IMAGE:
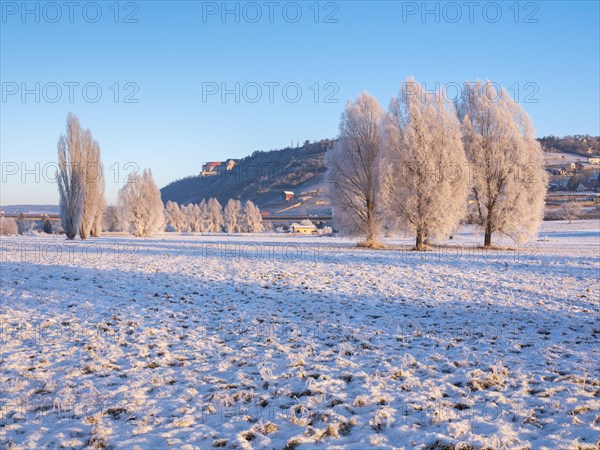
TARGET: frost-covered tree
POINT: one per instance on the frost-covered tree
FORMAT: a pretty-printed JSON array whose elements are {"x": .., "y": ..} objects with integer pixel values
[
  {"x": 111, "y": 219},
  {"x": 354, "y": 168},
  {"x": 23, "y": 224},
  {"x": 93, "y": 203},
  {"x": 252, "y": 218},
  {"x": 174, "y": 216},
  {"x": 71, "y": 176},
  {"x": 182, "y": 218},
  {"x": 183, "y": 221},
  {"x": 8, "y": 227},
  {"x": 204, "y": 216},
  {"x": 46, "y": 224},
  {"x": 141, "y": 205},
  {"x": 508, "y": 176},
  {"x": 186, "y": 219},
  {"x": 80, "y": 179},
  {"x": 570, "y": 211},
  {"x": 195, "y": 216},
  {"x": 426, "y": 178},
  {"x": 231, "y": 215},
  {"x": 97, "y": 224},
  {"x": 215, "y": 216},
  {"x": 89, "y": 176}
]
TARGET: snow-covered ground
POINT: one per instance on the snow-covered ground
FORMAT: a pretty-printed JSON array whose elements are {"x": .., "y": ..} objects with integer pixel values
[
  {"x": 552, "y": 158},
  {"x": 284, "y": 342}
]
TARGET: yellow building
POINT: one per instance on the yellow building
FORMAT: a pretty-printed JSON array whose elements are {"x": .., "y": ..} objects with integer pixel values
[{"x": 304, "y": 228}]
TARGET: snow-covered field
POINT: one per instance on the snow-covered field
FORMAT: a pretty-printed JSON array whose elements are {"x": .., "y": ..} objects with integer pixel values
[
  {"x": 284, "y": 342},
  {"x": 563, "y": 158}
]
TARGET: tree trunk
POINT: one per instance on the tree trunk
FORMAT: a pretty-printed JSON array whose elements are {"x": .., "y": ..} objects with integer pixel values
[
  {"x": 83, "y": 234},
  {"x": 487, "y": 240},
  {"x": 369, "y": 239},
  {"x": 419, "y": 244},
  {"x": 488, "y": 235}
]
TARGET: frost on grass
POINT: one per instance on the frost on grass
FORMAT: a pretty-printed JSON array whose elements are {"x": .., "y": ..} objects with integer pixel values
[{"x": 207, "y": 342}]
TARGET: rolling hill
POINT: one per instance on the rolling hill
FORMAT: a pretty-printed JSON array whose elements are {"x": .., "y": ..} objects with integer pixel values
[{"x": 262, "y": 178}]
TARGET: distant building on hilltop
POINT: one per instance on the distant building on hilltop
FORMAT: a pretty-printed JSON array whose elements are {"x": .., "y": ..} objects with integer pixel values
[
  {"x": 216, "y": 167},
  {"x": 211, "y": 168},
  {"x": 288, "y": 195},
  {"x": 231, "y": 163}
]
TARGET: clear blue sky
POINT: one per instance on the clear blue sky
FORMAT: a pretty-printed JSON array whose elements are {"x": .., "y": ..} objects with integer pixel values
[{"x": 178, "y": 49}]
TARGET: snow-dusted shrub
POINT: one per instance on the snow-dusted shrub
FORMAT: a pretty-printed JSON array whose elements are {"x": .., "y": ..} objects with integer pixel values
[
  {"x": 325, "y": 231},
  {"x": 8, "y": 227}
]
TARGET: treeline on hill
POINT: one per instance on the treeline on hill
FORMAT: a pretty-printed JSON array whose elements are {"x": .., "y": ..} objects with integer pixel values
[
  {"x": 259, "y": 177},
  {"x": 584, "y": 145}
]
